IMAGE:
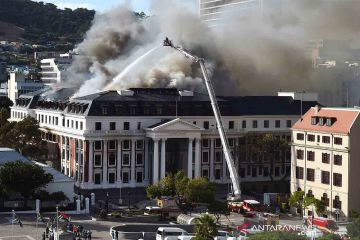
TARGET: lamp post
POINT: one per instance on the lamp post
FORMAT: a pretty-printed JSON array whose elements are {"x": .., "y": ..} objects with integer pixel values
[
  {"x": 107, "y": 202},
  {"x": 57, "y": 222}
]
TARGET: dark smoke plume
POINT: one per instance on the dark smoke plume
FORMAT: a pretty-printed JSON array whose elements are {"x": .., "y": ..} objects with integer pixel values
[{"x": 260, "y": 52}]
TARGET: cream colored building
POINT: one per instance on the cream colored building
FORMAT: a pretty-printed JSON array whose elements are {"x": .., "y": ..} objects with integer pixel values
[{"x": 326, "y": 158}]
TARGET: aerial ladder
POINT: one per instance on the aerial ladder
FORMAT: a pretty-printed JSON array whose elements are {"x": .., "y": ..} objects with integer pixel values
[{"x": 236, "y": 192}]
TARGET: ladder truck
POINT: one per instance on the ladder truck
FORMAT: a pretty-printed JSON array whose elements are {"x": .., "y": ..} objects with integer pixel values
[{"x": 236, "y": 192}]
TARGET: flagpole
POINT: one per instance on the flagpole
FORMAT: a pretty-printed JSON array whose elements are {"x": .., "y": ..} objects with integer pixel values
[
  {"x": 37, "y": 220},
  {"x": 57, "y": 222},
  {"x": 12, "y": 224}
]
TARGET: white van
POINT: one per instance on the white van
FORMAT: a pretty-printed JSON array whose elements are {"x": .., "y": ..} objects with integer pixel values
[
  {"x": 169, "y": 233},
  {"x": 222, "y": 235},
  {"x": 186, "y": 237}
]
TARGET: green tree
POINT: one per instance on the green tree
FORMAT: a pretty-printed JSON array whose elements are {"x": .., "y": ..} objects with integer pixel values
[
  {"x": 200, "y": 190},
  {"x": 330, "y": 236},
  {"x": 218, "y": 208},
  {"x": 205, "y": 228},
  {"x": 4, "y": 115},
  {"x": 23, "y": 136},
  {"x": 296, "y": 200},
  {"x": 58, "y": 196},
  {"x": 24, "y": 178},
  {"x": 302, "y": 202},
  {"x": 354, "y": 228},
  {"x": 153, "y": 191},
  {"x": 277, "y": 236}
]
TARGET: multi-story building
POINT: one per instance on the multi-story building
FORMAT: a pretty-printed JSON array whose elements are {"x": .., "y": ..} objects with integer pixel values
[
  {"x": 17, "y": 85},
  {"x": 54, "y": 70},
  {"x": 132, "y": 138},
  {"x": 325, "y": 157},
  {"x": 213, "y": 12}
]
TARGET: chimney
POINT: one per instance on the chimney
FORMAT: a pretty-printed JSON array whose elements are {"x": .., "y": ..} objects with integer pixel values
[{"x": 317, "y": 109}]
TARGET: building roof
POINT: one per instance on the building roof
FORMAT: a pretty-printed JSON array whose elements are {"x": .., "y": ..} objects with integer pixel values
[
  {"x": 342, "y": 120},
  {"x": 10, "y": 155},
  {"x": 160, "y": 102},
  {"x": 57, "y": 176}
]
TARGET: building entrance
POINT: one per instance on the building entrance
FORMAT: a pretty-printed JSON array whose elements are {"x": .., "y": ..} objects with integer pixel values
[{"x": 176, "y": 155}]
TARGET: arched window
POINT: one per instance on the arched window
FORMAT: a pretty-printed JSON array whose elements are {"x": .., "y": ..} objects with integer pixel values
[
  {"x": 325, "y": 199},
  {"x": 298, "y": 189},
  {"x": 337, "y": 202},
  {"x": 310, "y": 193}
]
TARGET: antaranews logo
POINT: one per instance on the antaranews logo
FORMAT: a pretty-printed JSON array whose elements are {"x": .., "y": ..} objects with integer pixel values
[{"x": 301, "y": 229}]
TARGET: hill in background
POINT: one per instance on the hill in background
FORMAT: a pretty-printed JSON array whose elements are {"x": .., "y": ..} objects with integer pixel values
[{"x": 44, "y": 22}]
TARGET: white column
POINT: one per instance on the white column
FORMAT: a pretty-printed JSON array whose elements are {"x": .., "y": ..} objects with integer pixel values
[
  {"x": 118, "y": 162},
  {"x": 146, "y": 161},
  {"x": 83, "y": 161},
  {"x": 78, "y": 157},
  {"x": 197, "y": 158},
  {"x": 190, "y": 156},
  {"x": 156, "y": 161},
  {"x": 163, "y": 158},
  {"x": 66, "y": 156},
  {"x": 105, "y": 163},
  {"x": 212, "y": 145},
  {"x": 133, "y": 162},
  {"x": 91, "y": 161}
]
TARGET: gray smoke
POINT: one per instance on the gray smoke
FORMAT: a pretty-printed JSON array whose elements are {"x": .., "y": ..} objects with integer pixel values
[{"x": 260, "y": 52}]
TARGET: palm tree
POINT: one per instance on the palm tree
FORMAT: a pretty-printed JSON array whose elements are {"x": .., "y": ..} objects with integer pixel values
[{"x": 205, "y": 228}]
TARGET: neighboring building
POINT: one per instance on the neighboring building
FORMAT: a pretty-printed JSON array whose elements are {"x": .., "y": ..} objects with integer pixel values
[
  {"x": 3, "y": 73},
  {"x": 132, "y": 138},
  {"x": 214, "y": 12},
  {"x": 54, "y": 70},
  {"x": 325, "y": 157},
  {"x": 60, "y": 182},
  {"x": 17, "y": 85}
]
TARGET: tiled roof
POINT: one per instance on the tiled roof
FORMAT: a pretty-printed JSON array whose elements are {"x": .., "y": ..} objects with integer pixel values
[{"x": 343, "y": 120}]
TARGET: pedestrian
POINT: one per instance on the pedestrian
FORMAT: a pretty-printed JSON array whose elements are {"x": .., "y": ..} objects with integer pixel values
[
  {"x": 112, "y": 234},
  {"x": 43, "y": 236},
  {"x": 89, "y": 235},
  {"x": 117, "y": 235}
]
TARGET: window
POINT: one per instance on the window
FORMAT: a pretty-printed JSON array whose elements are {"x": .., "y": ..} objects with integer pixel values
[
  {"x": 104, "y": 110},
  {"x": 318, "y": 138},
  {"x": 266, "y": 123},
  {"x": 76, "y": 124},
  {"x": 112, "y": 126},
  {"x": 97, "y": 160},
  {"x": 300, "y": 154},
  {"x": 112, "y": 158},
  {"x": 299, "y": 136},
  {"x": 126, "y": 126},
  {"x": 266, "y": 171},
  {"x": 288, "y": 123},
  {"x": 325, "y": 139},
  {"x": 311, "y": 156},
  {"x": 205, "y": 143},
  {"x": 112, "y": 145},
  {"x": 254, "y": 124},
  {"x": 337, "y": 202},
  {"x": 253, "y": 172},
  {"x": 218, "y": 143},
  {"x": 277, "y": 123},
  {"x": 218, "y": 173},
  {"x": 194, "y": 122},
  {"x": 337, "y": 140},
  {"x": 337, "y": 179},
  {"x": 139, "y": 177},
  {"x": 321, "y": 121},
  {"x": 68, "y": 123},
  {"x": 325, "y": 177},
  {"x": 243, "y": 124},
  {"x": 338, "y": 160},
  {"x": 277, "y": 171},
  {"x": 311, "y": 138},
  {"x": 138, "y": 125},
  {"x": 231, "y": 124},
  {"x": 98, "y": 145},
  {"x": 111, "y": 177},
  {"x": 98, "y": 126},
  {"x": 139, "y": 145},
  {"x": 218, "y": 156},
  {"x": 325, "y": 157},
  {"x": 206, "y": 125},
  {"x": 126, "y": 145},
  {"x": 231, "y": 142},
  {"x": 126, "y": 159},
  {"x": 139, "y": 158},
  {"x": 97, "y": 178},
  {"x": 205, "y": 173},
  {"x": 329, "y": 122},
  {"x": 310, "y": 193},
  {"x": 310, "y": 174},
  {"x": 125, "y": 177},
  {"x": 205, "y": 157},
  {"x": 325, "y": 199},
  {"x": 314, "y": 120},
  {"x": 81, "y": 125}
]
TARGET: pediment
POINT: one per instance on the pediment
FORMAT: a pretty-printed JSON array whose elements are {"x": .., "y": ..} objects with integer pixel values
[{"x": 175, "y": 125}]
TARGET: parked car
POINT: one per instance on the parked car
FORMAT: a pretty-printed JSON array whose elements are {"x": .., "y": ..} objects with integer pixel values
[{"x": 169, "y": 233}]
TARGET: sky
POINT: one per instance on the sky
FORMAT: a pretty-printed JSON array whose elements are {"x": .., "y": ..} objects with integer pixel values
[{"x": 103, "y": 5}]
